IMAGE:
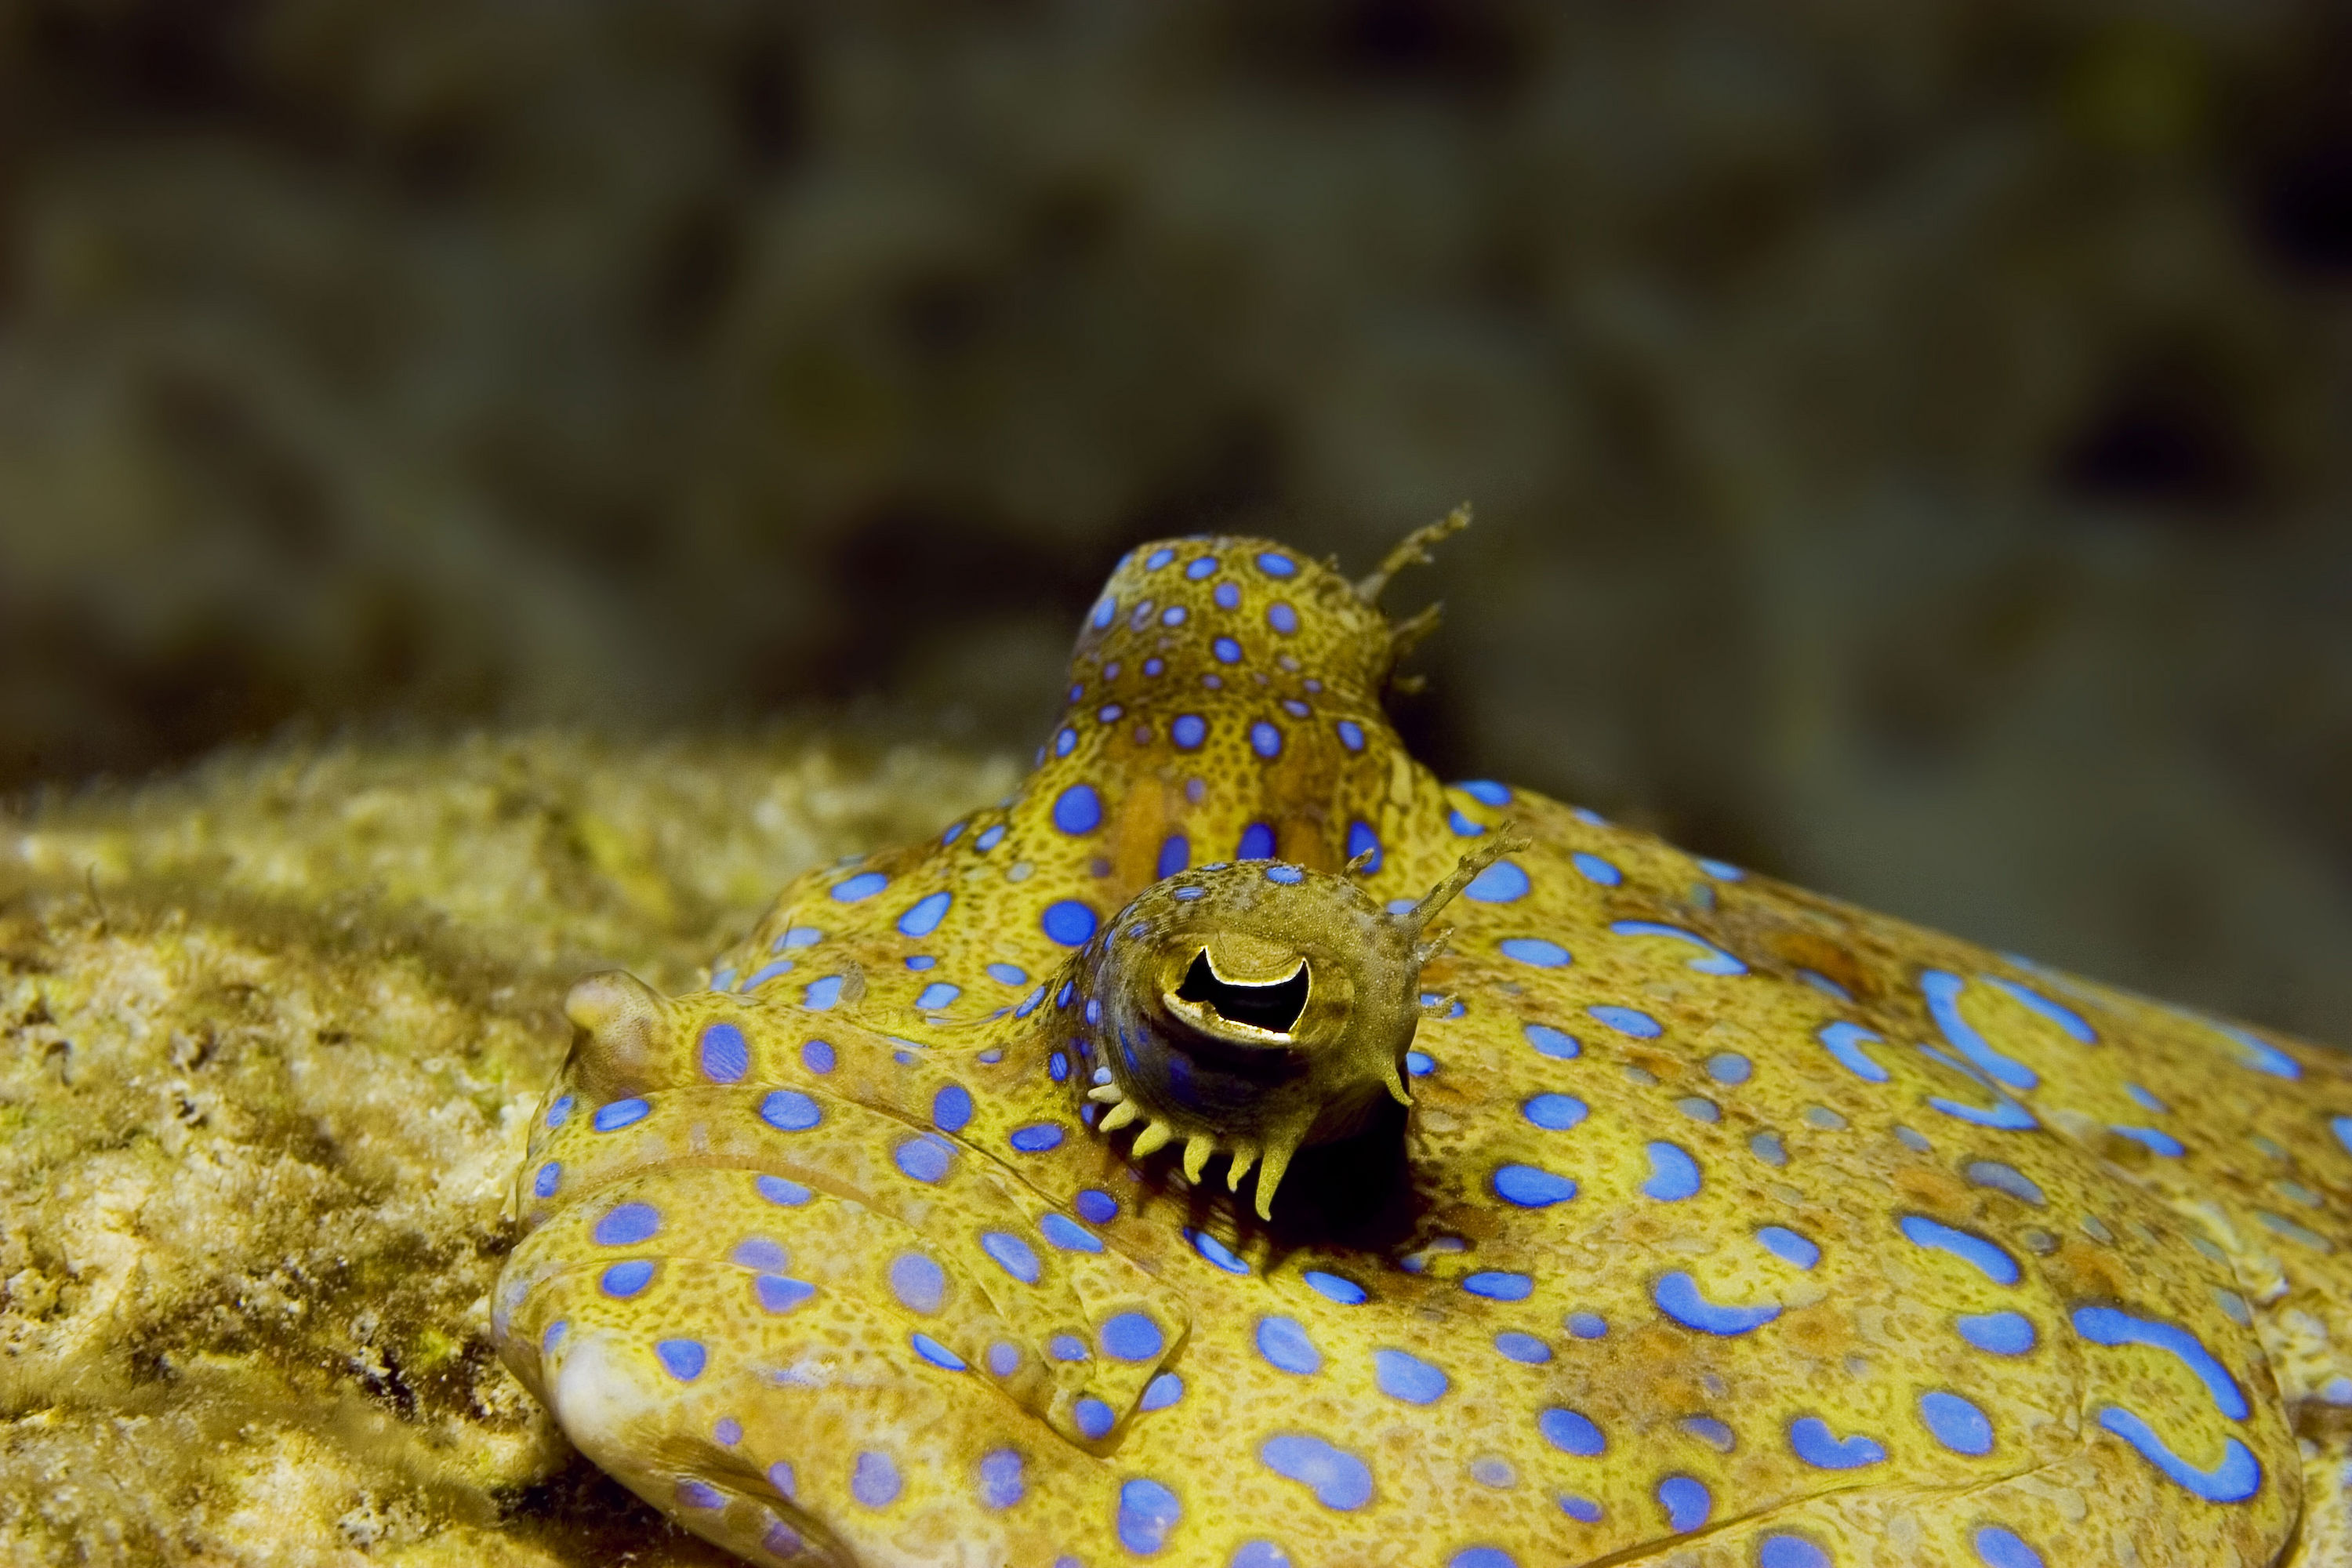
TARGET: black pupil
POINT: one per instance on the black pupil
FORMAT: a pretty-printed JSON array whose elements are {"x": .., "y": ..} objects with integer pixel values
[{"x": 1275, "y": 1007}]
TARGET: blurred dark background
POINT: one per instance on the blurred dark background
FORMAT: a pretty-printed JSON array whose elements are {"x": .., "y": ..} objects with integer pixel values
[{"x": 1909, "y": 441}]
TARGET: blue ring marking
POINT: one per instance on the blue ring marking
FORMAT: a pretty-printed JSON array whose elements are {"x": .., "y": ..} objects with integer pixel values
[
  {"x": 789, "y": 1110},
  {"x": 1217, "y": 1252},
  {"x": 1284, "y": 1344},
  {"x": 626, "y": 1278},
  {"x": 1362, "y": 840},
  {"x": 1227, "y": 650},
  {"x": 1096, "y": 1208},
  {"x": 1337, "y": 1479},
  {"x": 1688, "y": 1503},
  {"x": 1712, "y": 959},
  {"x": 1265, "y": 739},
  {"x": 1035, "y": 1137},
  {"x": 1131, "y": 1336},
  {"x": 1001, "y": 1485},
  {"x": 1334, "y": 1287},
  {"x": 776, "y": 1294},
  {"x": 937, "y": 1355},
  {"x": 1290, "y": 876},
  {"x": 1161, "y": 1392},
  {"x": 620, "y": 1113},
  {"x": 682, "y": 1359},
  {"x": 1552, "y": 1042},
  {"x": 1462, "y": 826},
  {"x": 1502, "y": 882},
  {"x": 1572, "y": 1432},
  {"x": 1522, "y": 1347},
  {"x": 1554, "y": 1112},
  {"x": 2238, "y": 1477},
  {"x": 924, "y": 1157},
  {"x": 1812, "y": 1440},
  {"x": 2107, "y": 1326},
  {"x": 1175, "y": 855},
  {"x": 1404, "y": 1375},
  {"x": 1788, "y": 1246},
  {"x": 1942, "y": 989},
  {"x": 1499, "y": 1285},
  {"x": 1069, "y": 923},
  {"x": 1147, "y": 1512},
  {"x": 764, "y": 973},
  {"x": 919, "y": 1283},
  {"x": 1200, "y": 567},
  {"x": 2064, "y": 1016},
  {"x": 990, "y": 837},
  {"x": 1791, "y": 1552},
  {"x": 1965, "y": 1244},
  {"x": 1534, "y": 949},
  {"x": 923, "y": 916},
  {"x": 864, "y": 885},
  {"x": 1228, "y": 596},
  {"x": 874, "y": 1480},
  {"x": 1532, "y": 1187},
  {"x": 952, "y": 1109},
  {"x": 1065, "y": 741},
  {"x": 1629, "y": 1021},
  {"x": 1351, "y": 735},
  {"x": 1582, "y": 1509},
  {"x": 936, "y": 996},
  {"x": 1482, "y": 1557},
  {"x": 1997, "y": 1334},
  {"x": 1486, "y": 792},
  {"x": 1587, "y": 1325},
  {"x": 550, "y": 1177},
  {"x": 822, "y": 993},
  {"x": 1282, "y": 617},
  {"x": 1009, "y": 974},
  {"x": 561, "y": 1113},
  {"x": 1673, "y": 1175},
  {"x": 1677, "y": 1296},
  {"x": 2001, "y": 1177},
  {"x": 1956, "y": 1423},
  {"x": 781, "y": 1190},
  {"x": 1274, "y": 566},
  {"x": 2153, "y": 1139},
  {"x": 1257, "y": 843},
  {"x": 1094, "y": 1420},
  {"x": 1997, "y": 1547},
  {"x": 1077, "y": 810},
  {"x": 626, "y": 1225},
  {"x": 1595, "y": 869},
  {"x": 1843, "y": 1042},
  {"x": 1730, "y": 1067}
]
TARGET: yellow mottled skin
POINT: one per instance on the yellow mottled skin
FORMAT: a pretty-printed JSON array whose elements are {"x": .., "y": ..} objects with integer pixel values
[{"x": 1729, "y": 1224}]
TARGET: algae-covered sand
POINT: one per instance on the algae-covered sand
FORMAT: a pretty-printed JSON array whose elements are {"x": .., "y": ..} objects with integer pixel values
[{"x": 273, "y": 1031}]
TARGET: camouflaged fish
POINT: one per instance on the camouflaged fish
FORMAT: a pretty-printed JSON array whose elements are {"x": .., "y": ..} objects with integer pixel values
[{"x": 1238, "y": 1149}]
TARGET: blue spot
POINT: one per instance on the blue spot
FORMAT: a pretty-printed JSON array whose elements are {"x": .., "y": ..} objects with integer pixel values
[
  {"x": 1997, "y": 1334},
  {"x": 2106, "y": 1326},
  {"x": 1572, "y": 1432},
  {"x": 1173, "y": 616},
  {"x": 682, "y": 1359},
  {"x": 561, "y": 1113},
  {"x": 1728, "y": 1067},
  {"x": 1523, "y": 1347},
  {"x": 1069, "y": 923},
  {"x": 1104, "y": 612},
  {"x": 1487, "y": 792},
  {"x": 625, "y": 1280},
  {"x": 758, "y": 1252},
  {"x": 1003, "y": 1359},
  {"x": 1076, "y": 809},
  {"x": 1131, "y": 1336},
  {"x": 822, "y": 993},
  {"x": 1282, "y": 617},
  {"x": 1810, "y": 1436},
  {"x": 1187, "y": 895},
  {"x": 1482, "y": 1557},
  {"x": 1498, "y": 1285},
  {"x": 864, "y": 885},
  {"x": 1227, "y": 650},
  {"x": 2261, "y": 1056},
  {"x": 2237, "y": 1477},
  {"x": 1161, "y": 1392},
  {"x": 2065, "y": 1017},
  {"x": 1351, "y": 735},
  {"x": 990, "y": 837},
  {"x": 1200, "y": 568},
  {"x": 1147, "y": 1512},
  {"x": 1532, "y": 1188},
  {"x": 1157, "y": 558},
  {"x": 1402, "y": 1375},
  {"x": 816, "y": 1055},
  {"x": 1067, "y": 1235},
  {"x": 799, "y": 936},
  {"x": 1788, "y": 1245},
  {"x": 920, "y": 960},
  {"x": 1259, "y": 1554},
  {"x": 1285, "y": 1345},
  {"x": 919, "y": 1283},
  {"x": 780, "y": 1191},
  {"x": 1274, "y": 566},
  {"x": 1554, "y": 1112},
  {"x": 1712, "y": 959},
  {"x": 1721, "y": 870},
  {"x": 1257, "y": 843},
  {"x": 952, "y": 1109},
  {"x": 764, "y": 973},
  {"x": 1999, "y": 1548},
  {"x": 2163, "y": 1143},
  {"x": 723, "y": 979},
  {"x": 1001, "y": 1485},
  {"x": 923, "y": 916},
  {"x": 1420, "y": 1064},
  {"x": 1013, "y": 1255},
  {"x": 1336, "y": 1287},
  {"x": 937, "y": 994},
  {"x": 1673, "y": 1175},
  {"x": 789, "y": 1110},
  {"x": 725, "y": 1057},
  {"x": 1337, "y": 1479},
  {"x": 1227, "y": 595},
  {"x": 1036, "y": 1138},
  {"x": 1956, "y": 1423},
  {"x": 926, "y": 1158},
  {"x": 1175, "y": 855},
  {"x": 1065, "y": 741},
  {"x": 1997, "y": 1266},
  {"x": 1552, "y": 1042},
  {"x": 1677, "y": 1295},
  {"x": 1791, "y": 1552},
  {"x": 1096, "y": 1208},
  {"x": 2146, "y": 1101},
  {"x": 1942, "y": 991},
  {"x": 1502, "y": 882},
  {"x": 1290, "y": 874},
  {"x": 1629, "y": 1021},
  {"x": 1094, "y": 1418},
  {"x": 874, "y": 1480},
  {"x": 1265, "y": 739},
  {"x": 1008, "y": 975},
  {"x": 1582, "y": 1509},
  {"x": 2005, "y": 1115},
  {"x": 1362, "y": 840},
  {"x": 937, "y": 1355},
  {"x": 620, "y": 1113},
  {"x": 1533, "y": 950},
  {"x": 1462, "y": 826},
  {"x": 550, "y": 1177},
  {"x": 628, "y": 1225},
  {"x": 1596, "y": 869},
  {"x": 1843, "y": 1042}
]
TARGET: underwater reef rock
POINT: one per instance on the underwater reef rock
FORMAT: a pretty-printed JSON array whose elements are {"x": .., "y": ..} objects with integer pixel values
[{"x": 273, "y": 1029}]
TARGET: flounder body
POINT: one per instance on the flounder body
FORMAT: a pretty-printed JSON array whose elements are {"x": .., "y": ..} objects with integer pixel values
[{"x": 1042, "y": 1194}]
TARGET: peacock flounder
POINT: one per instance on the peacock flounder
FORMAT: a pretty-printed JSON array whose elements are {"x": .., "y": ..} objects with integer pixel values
[{"x": 1141, "y": 1171}]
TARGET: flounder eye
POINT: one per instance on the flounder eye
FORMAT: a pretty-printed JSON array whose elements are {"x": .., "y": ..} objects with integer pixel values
[{"x": 1272, "y": 1006}]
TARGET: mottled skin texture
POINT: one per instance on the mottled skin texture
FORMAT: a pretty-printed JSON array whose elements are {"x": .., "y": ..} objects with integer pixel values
[{"x": 1879, "y": 1248}]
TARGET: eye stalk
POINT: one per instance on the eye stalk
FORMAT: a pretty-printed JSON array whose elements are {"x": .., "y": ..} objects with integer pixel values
[{"x": 1252, "y": 1010}]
